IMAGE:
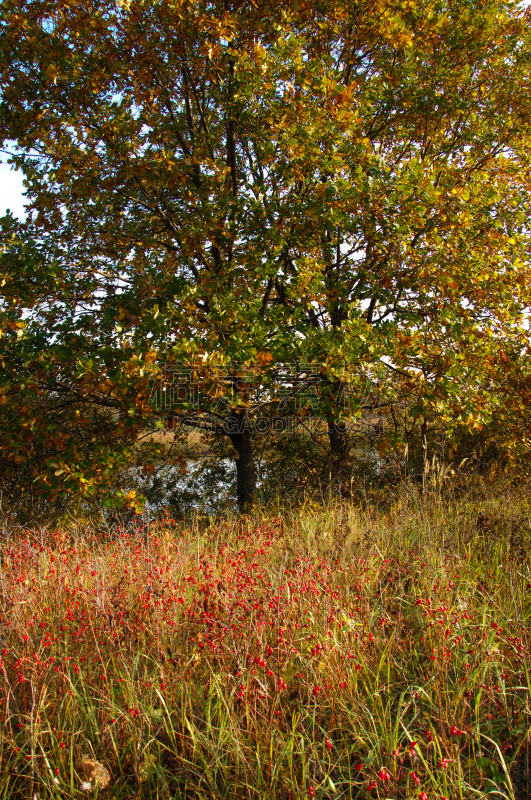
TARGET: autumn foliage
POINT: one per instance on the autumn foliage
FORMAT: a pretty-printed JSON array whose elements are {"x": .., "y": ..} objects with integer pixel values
[{"x": 334, "y": 182}]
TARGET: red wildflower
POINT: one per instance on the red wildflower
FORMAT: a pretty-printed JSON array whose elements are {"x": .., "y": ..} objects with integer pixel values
[{"x": 454, "y": 731}]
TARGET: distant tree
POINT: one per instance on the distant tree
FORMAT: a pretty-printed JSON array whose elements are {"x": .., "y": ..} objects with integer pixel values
[{"x": 336, "y": 182}]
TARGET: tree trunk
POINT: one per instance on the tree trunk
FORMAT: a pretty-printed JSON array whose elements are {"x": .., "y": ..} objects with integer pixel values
[
  {"x": 339, "y": 445},
  {"x": 240, "y": 436},
  {"x": 425, "y": 463},
  {"x": 337, "y": 431}
]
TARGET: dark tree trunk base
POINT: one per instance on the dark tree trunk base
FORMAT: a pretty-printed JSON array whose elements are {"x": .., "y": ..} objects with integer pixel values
[
  {"x": 339, "y": 446},
  {"x": 242, "y": 442}
]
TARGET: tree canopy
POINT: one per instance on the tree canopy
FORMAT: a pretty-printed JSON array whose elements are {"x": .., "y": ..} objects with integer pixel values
[{"x": 336, "y": 182}]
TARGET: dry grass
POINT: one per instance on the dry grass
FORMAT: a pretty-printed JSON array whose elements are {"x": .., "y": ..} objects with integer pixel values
[{"x": 332, "y": 654}]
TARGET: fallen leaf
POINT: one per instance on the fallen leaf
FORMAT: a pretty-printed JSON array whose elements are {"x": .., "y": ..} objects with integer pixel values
[{"x": 94, "y": 771}]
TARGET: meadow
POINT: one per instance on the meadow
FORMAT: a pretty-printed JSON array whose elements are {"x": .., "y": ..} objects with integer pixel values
[{"x": 336, "y": 652}]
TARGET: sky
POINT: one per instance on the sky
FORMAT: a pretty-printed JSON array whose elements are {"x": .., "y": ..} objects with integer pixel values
[{"x": 11, "y": 190}]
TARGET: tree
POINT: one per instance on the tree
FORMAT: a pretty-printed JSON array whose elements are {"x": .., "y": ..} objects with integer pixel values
[{"x": 337, "y": 182}]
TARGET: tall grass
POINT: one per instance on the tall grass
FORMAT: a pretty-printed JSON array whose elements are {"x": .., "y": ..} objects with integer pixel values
[{"x": 335, "y": 653}]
